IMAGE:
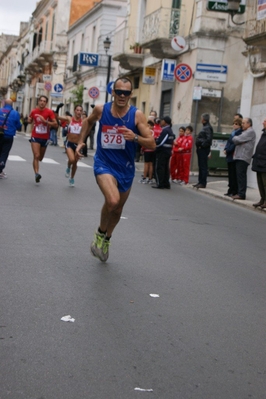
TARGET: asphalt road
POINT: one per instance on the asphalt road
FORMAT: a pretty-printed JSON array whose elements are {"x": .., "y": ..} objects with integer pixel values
[{"x": 203, "y": 337}]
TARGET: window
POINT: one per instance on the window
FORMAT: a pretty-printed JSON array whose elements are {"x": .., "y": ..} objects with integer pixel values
[
  {"x": 166, "y": 103},
  {"x": 176, "y": 3},
  {"x": 136, "y": 82},
  {"x": 53, "y": 23}
]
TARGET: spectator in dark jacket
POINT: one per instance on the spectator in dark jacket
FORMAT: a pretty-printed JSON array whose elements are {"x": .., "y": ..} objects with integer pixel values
[
  {"x": 164, "y": 144},
  {"x": 203, "y": 144},
  {"x": 229, "y": 150},
  {"x": 259, "y": 166},
  {"x": 10, "y": 123}
]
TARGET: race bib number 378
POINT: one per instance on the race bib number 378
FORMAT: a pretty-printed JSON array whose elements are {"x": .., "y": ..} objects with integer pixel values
[{"x": 112, "y": 139}]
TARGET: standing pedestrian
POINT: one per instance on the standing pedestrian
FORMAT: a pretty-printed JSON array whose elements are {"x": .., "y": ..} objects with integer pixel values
[
  {"x": 148, "y": 160},
  {"x": 25, "y": 123},
  {"x": 203, "y": 144},
  {"x": 229, "y": 150},
  {"x": 244, "y": 143},
  {"x": 121, "y": 126},
  {"x": 186, "y": 154},
  {"x": 259, "y": 166},
  {"x": 164, "y": 145},
  {"x": 176, "y": 164},
  {"x": 9, "y": 124},
  {"x": 43, "y": 119}
]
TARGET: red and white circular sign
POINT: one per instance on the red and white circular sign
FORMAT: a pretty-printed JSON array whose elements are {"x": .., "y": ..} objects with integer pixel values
[
  {"x": 183, "y": 72},
  {"x": 94, "y": 92},
  {"x": 178, "y": 43},
  {"x": 48, "y": 86}
]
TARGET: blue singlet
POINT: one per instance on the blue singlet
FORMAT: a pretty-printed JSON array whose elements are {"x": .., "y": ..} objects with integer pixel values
[{"x": 115, "y": 155}]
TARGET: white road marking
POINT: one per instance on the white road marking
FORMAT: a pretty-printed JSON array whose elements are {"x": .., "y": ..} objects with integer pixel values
[
  {"x": 83, "y": 165},
  {"x": 15, "y": 158},
  {"x": 50, "y": 160},
  {"x": 46, "y": 160}
]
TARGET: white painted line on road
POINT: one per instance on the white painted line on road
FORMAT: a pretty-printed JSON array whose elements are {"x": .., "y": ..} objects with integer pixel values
[
  {"x": 143, "y": 390},
  {"x": 49, "y": 160},
  {"x": 155, "y": 295},
  {"x": 83, "y": 165},
  {"x": 16, "y": 158},
  {"x": 68, "y": 318}
]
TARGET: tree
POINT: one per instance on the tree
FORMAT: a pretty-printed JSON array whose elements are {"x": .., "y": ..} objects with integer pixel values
[{"x": 78, "y": 95}]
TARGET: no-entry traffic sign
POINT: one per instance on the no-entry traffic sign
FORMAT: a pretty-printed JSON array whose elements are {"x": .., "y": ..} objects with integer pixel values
[
  {"x": 183, "y": 72},
  {"x": 94, "y": 92}
]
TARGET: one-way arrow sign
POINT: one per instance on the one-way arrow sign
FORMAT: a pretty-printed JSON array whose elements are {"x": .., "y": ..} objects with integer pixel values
[
  {"x": 212, "y": 72},
  {"x": 211, "y": 68}
]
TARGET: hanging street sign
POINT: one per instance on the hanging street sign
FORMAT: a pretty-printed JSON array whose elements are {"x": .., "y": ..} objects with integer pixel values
[
  {"x": 197, "y": 93},
  {"x": 110, "y": 87},
  {"x": 58, "y": 88},
  {"x": 178, "y": 43},
  {"x": 211, "y": 93},
  {"x": 94, "y": 92},
  {"x": 48, "y": 86},
  {"x": 168, "y": 69},
  {"x": 222, "y": 6},
  {"x": 149, "y": 75},
  {"x": 46, "y": 78},
  {"x": 214, "y": 72},
  {"x": 88, "y": 59},
  {"x": 183, "y": 72}
]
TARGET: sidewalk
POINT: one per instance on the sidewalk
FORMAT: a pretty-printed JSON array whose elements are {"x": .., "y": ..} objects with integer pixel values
[
  {"x": 218, "y": 188},
  {"x": 215, "y": 189}
]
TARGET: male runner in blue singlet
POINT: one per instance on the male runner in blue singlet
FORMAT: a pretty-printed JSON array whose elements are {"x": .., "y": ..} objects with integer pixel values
[{"x": 121, "y": 126}]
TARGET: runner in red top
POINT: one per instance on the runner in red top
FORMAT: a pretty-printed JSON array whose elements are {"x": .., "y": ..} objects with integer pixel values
[{"x": 43, "y": 119}]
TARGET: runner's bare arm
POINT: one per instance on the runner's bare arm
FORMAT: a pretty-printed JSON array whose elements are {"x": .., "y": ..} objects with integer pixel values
[
  {"x": 51, "y": 123},
  {"x": 145, "y": 139},
  {"x": 64, "y": 118}
]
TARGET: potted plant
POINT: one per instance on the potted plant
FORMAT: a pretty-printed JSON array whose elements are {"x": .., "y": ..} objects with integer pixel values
[{"x": 136, "y": 47}]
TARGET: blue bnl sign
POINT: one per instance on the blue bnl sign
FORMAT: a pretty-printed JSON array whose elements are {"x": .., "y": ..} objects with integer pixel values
[
  {"x": 88, "y": 59},
  {"x": 168, "y": 68}
]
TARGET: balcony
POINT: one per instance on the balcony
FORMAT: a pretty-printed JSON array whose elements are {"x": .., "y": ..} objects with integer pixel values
[
  {"x": 158, "y": 30},
  {"x": 39, "y": 57},
  {"x": 125, "y": 52},
  {"x": 255, "y": 32}
]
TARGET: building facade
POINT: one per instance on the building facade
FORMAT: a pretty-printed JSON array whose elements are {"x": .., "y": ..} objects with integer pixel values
[
  {"x": 253, "y": 99},
  {"x": 86, "y": 42}
]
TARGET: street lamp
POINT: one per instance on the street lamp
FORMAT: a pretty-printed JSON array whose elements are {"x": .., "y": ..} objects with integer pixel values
[
  {"x": 55, "y": 66},
  {"x": 107, "y": 44},
  {"x": 233, "y": 6}
]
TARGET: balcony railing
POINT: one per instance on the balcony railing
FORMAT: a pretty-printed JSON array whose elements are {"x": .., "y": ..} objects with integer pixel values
[
  {"x": 125, "y": 38},
  {"x": 162, "y": 23},
  {"x": 254, "y": 28},
  {"x": 45, "y": 47}
]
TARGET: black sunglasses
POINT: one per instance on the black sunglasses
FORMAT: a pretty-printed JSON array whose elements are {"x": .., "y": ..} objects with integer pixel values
[{"x": 120, "y": 92}]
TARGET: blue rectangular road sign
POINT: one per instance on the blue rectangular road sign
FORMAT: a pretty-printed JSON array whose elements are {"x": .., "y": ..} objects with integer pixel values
[
  {"x": 213, "y": 72},
  {"x": 214, "y": 68},
  {"x": 89, "y": 59},
  {"x": 168, "y": 69}
]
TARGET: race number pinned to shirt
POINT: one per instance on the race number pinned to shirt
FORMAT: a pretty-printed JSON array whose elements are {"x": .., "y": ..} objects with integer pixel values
[
  {"x": 75, "y": 128},
  {"x": 41, "y": 129},
  {"x": 113, "y": 138}
]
